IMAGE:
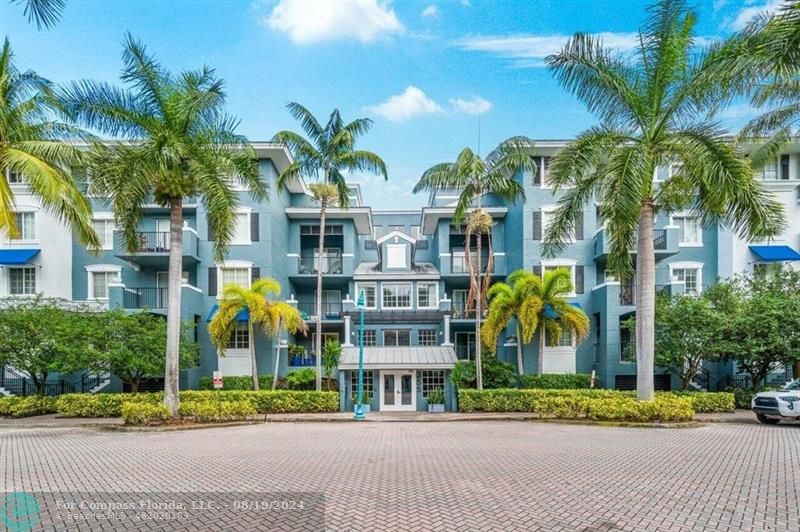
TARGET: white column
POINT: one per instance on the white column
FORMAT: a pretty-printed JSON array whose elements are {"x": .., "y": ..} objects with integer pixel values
[
  {"x": 347, "y": 342},
  {"x": 446, "y": 339}
]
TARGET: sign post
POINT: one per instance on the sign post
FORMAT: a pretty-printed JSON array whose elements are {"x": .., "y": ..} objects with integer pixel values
[
  {"x": 217, "y": 380},
  {"x": 359, "y": 415}
]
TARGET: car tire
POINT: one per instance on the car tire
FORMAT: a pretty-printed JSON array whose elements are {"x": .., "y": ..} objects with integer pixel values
[{"x": 767, "y": 420}]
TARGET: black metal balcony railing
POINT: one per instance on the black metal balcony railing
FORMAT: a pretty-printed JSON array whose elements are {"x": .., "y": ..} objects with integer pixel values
[
  {"x": 331, "y": 263},
  {"x": 145, "y": 298},
  {"x": 627, "y": 294},
  {"x": 154, "y": 242},
  {"x": 330, "y": 310},
  {"x": 660, "y": 239}
]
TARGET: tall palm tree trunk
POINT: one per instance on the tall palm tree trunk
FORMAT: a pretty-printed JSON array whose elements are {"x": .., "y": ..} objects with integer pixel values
[
  {"x": 253, "y": 366},
  {"x": 174, "y": 281},
  {"x": 645, "y": 304},
  {"x": 323, "y": 204},
  {"x": 520, "y": 366},
  {"x": 478, "y": 366},
  {"x": 277, "y": 359},
  {"x": 540, "y": 354}
]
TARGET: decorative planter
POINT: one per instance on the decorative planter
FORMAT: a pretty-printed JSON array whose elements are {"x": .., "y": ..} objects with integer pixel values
[
  {"x": 436, "y": 409},
  {"x": 295, "y": 361}
]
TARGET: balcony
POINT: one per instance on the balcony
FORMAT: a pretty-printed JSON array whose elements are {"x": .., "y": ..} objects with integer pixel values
[
  {"x": 154, "y": 246},
  {"x": 331, "y": 310},
  {"x": 335, "y": 264},
  {"x": 145, "y": 297},
  {"x": 155, "y": 300},
  {"x": 331, "y": 264},
  {"x": 150, "y": 204},
  {"x": 665, "y": 242},
  {"x": 458, "y": 264}
]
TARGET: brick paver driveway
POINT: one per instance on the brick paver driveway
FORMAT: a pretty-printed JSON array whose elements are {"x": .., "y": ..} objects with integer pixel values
[{"x": 444, "y": 476}]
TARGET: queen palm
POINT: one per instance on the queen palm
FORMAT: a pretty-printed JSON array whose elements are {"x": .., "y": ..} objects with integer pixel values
[
  {"x": 325, "y": 155},
  {"x": 43, "y": 13},
  {"x": 473, "y": 177},
  {"x": 534, "y": 304},
  {"x": 654, "y": 110},
  {"x": 32, "y": 144},
  {"x": 270, "y": 317},
  {"x": 177, "y": 142}
]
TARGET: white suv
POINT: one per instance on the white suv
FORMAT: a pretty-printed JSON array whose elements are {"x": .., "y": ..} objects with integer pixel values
[{"x": 771, "y": 407}]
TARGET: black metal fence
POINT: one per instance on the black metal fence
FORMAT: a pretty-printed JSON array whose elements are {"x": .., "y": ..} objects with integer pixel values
[{"x": 145, "y": 297}]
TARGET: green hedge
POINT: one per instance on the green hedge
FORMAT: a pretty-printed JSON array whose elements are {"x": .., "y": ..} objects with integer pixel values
[
  {"x": 556, "y": 381},
  {"x": 143, "y": 413},
  {"x": 206, "y": 411},
  {"x": 710, "y": 401},
  {"x": 602, "y": 405},
  {"x": 239, "y": 382},
  {"x": 264, "y": 402},
  {"x": 27, "y": 406}
]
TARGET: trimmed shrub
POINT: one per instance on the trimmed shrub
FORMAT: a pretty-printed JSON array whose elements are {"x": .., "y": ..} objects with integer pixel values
[
  {"x": 101, "y": 404},
  {"x": 556, "y": 381},
  {"x": 302, "y": 379},
  {"x": 27, "y": 406},
  {"x": 496, "y": 374},
  {"x": 237, "y": 382},
  {"x": 602, "y": 405},
  {"x": 206, "y": 411},
  {"x": 711, "y": 401},
  {"x": 286, "y": 401},
  {"x": 143, "y": 413}
]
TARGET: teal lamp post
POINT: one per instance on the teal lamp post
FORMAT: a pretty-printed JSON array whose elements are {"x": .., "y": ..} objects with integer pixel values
[{"x": 359, "y": 415}]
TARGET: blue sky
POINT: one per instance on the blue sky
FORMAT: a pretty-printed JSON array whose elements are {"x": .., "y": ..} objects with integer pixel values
[{"x": 426, "y": 72}]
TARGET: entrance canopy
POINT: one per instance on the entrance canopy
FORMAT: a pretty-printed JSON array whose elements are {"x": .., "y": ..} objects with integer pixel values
[
  {"x": 407, "y": 357},
  {"x": 775, "y": 253}
]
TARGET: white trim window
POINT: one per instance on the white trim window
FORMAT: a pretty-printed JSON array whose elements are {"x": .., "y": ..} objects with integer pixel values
[
  {"x": 396, "y": 296},
  {"x": 239, "y": 276},
  {"x": 104, "y": 227},
  {"x": 240, "y": 339},
  {"x": 427, "y": 295},
  {"x": 22, "y": 281},
  {"x": 548, "y": 214},
  {"x": 769, "y": 172},
  {"x": 427, "y": 337},
  {"x": 14, "y": 178},
  {"x": 565, "y": 341},
  {"x": 396, "y": 337},
  {"x": 689, "y": 228},
  {"x": 550, "y": 265},
  {"x": 26, "y": 225},
  {"x": 100, "y": 276},
  {"x": 370, "y": 294},
  {"x": 241, "y": 231},
  {"x": 690, "y": 274}
]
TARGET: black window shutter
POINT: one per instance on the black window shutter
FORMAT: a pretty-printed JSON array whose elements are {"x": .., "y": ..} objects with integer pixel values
[
  {"x": 537, "y": 175},
  {"x": 255, "y": 274},
  {"x": 579, "y": 226},
  {"x": 537, "y": 271},
  {"x": 537, "y": 225},
  {"x": 578, "y": 279},
  {"x": 210, "y": 231},
  {"x": 254, "y": 227},
  {"x": 212, "y": 281}
]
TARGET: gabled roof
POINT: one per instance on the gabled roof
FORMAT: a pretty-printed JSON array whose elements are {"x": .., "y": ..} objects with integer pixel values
[
  {"x": 432, "y": 215},
  {"x": 399, "y": 234}
]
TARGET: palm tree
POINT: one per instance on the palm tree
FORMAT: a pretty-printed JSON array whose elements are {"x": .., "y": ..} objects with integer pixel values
[
  {"x": 44, "y": 13},
  {"x": 533, "y": 303},
  {"x": 271, "y": 317},
  {"x": 325, "y": 154},
  {"x": 175, "y": 140},
  {"x": 654, "y": 111},
  {"x": 33, "y": 144},
  {"x": 474, "y": 177}
]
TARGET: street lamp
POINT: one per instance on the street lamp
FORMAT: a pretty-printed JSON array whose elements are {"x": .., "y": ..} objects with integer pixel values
[{"x": 359, "y": 415}]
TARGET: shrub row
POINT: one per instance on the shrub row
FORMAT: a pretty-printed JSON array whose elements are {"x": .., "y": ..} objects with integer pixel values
[
  {"x": 264, "y": 402},
  {"x": 556, "y": 381},
  {"x": 27, "y": 406},
  {"x": 607, "y": 405},
  {"x": 238, "y": 382},
  {"x": 142, "y": 413},
  {"x": 710, "y": 401},
  {"x": 207, "y": 411}
]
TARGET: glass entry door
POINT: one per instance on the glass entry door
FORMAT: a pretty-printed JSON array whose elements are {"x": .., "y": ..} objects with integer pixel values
[{"x": 398, "y": 391}]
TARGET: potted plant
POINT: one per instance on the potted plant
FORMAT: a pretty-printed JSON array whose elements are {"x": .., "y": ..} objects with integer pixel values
[
  {"x": 296, "y": 354},
  {"x": 367, "y": 401},
  {"x": 436, "y": 400}
]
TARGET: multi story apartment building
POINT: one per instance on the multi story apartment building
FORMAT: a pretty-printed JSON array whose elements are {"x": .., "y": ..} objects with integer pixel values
[{"x": 410, "y": 265}]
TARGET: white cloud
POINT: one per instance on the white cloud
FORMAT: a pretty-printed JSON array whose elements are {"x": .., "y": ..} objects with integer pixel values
[
  {"x": 466, "y": 3},
  {"x": 313, "y": 21},
  {"x": 748, "y": 13},
  {"x": 411, "y": 103},
  {"x": 474, "y": 106},
  {"x": 716, "y": 5},
  {"x": 526, "y": 50},
  {"x": 431, "y": 11}
]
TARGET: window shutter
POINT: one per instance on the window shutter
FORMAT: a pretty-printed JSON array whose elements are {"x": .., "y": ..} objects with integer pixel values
[
  {"x": 255, "y": 274},
  {"x": 578, "y": 279},
  {"x": 537, "y": 225},
  {"x": 212, "y": 281},
  {"x": 579, "y": 226},
  {"x": 254, "y": 227},
  {"x": 537, "y": 271},
  {"x": 537, "y": 175},
  {"x": 210, "y": 231}
]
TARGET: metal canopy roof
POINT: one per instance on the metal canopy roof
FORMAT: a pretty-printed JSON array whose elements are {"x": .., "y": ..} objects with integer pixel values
[{"x": 407, "y": 357}]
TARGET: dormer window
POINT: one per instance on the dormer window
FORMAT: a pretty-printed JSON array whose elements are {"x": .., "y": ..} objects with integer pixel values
[{"x": 396, "y": 256}]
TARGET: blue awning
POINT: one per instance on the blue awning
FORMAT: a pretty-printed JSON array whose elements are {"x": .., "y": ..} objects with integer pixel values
[
  {"x": 775, "y": 253},
  {"x": 17, "y": 256},
  {"x": 244, "y": 314},
  {"x": 552, "y": 314}
]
